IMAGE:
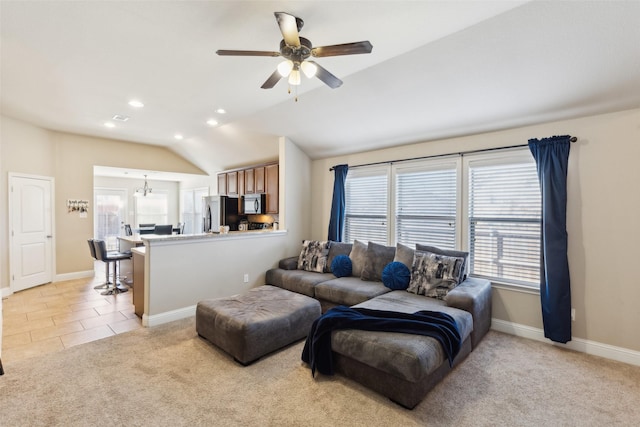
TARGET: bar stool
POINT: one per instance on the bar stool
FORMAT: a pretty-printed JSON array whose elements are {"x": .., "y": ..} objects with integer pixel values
[
  {"x": 114, "y": 257},
  {"x": 92, "y": 250}
]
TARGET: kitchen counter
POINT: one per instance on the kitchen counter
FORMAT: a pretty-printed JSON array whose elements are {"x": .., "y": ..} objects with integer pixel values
[{"x": 152, "y": 238}]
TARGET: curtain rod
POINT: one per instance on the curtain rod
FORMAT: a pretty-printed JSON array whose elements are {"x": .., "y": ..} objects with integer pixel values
[{"x": 460, "y": 153}]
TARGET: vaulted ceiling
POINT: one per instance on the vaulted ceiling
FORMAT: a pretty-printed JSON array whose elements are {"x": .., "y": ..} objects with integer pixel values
[{"x": 438, "y": 69}]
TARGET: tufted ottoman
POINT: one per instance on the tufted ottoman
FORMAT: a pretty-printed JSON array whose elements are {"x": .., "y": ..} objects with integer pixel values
[{"x": 250, "y": 325}]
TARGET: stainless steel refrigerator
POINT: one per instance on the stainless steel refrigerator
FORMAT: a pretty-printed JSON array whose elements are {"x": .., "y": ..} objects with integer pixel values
[{"x": 220, "y": 210}]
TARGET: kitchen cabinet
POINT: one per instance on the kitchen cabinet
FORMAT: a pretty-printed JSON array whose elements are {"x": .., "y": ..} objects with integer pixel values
[
  {"x": 222, "y": 184},
  {"x": 249, "y": 181},
  {"x": 241, "y": 183},
  {"x": 138, "y": 282},
  {"x": 271, "y": 188},
  {"x": 259, "y": 179},
  {"x": 232, "y": 183}
]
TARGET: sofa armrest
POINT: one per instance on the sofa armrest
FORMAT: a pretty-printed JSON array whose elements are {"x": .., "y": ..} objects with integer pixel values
[
  {"x": 473, "y": 295},
  {"x": 289, "y": 263}
]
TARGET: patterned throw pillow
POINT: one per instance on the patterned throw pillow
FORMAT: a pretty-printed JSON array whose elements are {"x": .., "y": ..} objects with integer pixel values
[
  {"x": 434, "y": 275},
  {"x": 313, "y": 256}
]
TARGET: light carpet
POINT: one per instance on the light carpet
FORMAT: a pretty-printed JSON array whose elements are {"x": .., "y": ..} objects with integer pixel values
[{"x": 168, "y": 376}]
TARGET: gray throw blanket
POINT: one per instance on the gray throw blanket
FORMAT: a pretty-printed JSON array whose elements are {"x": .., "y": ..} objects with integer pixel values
[{"x": 435, "y": 324}]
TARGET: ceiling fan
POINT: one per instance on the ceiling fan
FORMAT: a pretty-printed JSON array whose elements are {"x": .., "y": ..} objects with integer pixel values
[{"x": 296, "y": 50}]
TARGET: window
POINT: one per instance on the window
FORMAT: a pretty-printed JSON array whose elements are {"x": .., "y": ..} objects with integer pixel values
[
  {"x": 191, "y": 209},
  {"x": 367, "y": 205},
  {"x": 152, "y": 208},
  {"x": 486, "y": 203},
  {"x": 109, "y": 215},
  {"x": 426, "y": 204},
  {"x": 504, "y": 219}
]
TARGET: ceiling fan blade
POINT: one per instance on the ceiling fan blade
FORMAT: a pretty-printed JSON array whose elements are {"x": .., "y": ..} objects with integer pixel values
[
  {"x": 289, "y": 28},
  {"x": 223, "y": 52},
  {"x": 272, "y": 80},
  {"x": 343, "y": 49},
  {"x": 326, "y": 77}
]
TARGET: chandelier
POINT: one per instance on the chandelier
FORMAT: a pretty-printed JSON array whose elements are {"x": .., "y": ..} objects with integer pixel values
[{"x": 144, "y": 190}]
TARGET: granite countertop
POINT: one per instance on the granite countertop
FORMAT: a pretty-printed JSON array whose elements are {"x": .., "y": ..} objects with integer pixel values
[{"x": 232, "y": 234}]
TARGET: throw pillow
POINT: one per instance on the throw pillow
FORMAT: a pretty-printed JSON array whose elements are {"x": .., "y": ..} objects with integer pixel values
[
  {"x": 448, "y": 252},
  {"x": 396, "y": 276},
  {"x": 434, "y": 275},
  {"x": 313, "y": 256},
  {"x": 335, "y": 249},
  {"x": 377, "y": 257},
  {"x": 341, "y": 266},
  {"x": 358, "y": 256},
  {"x": 404, "y": 254}
]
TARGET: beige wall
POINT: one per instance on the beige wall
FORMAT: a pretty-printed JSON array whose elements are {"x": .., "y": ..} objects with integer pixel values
[
  {"x": 69, "y": 159},
  {"x": 602, "y": 216}
]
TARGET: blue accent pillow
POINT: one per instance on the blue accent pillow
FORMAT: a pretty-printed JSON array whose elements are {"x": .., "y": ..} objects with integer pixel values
[
  {"x": 396, "y": 276},
  {"x": 341, "y": 266}
]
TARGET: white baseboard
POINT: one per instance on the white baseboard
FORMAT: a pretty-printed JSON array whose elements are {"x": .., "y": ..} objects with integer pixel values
[
  {"x": 168, "y": 316},
  {"x": 74, "y": 275},
  {"x": 5, "y": 292},
  {"x": 594, "y": 348}
]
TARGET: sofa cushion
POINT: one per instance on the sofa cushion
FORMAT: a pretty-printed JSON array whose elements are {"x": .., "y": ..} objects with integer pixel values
[
  {"x": 396, "y": 276},
  {"x": 313, "y": 256},
  {"x": 358, "y": 257},
  {"x": 377, "y": 257},
  {"x": 335, "y": 249},
  {"x": 447, "y": 252},
  {"x": 300, "y": 281},
  {"x": 404, "y": 254},
  {"x": 341, "y": 266},
  {"x": 348, "y": 290},
  {"x": 410, "y": 357},
  {"x": 434, "y": 275}
]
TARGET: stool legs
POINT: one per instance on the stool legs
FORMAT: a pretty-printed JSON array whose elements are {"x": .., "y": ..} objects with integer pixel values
[
  {"x": 106, "y": 283},
  {"x": 117, "y": 287}
]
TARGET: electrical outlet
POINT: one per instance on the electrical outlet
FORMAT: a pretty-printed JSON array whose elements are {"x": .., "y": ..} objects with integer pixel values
[
  {"x": 573, "y": 314},
  {"x": 246, "y": 277}
]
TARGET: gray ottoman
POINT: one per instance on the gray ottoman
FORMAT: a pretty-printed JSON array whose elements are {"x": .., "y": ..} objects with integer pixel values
[{"x": 250, "y": 325}]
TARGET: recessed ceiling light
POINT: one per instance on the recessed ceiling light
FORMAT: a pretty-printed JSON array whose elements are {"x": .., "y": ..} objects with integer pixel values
[
  {"x": 120, "y": 118},
  {"x": 221, "y": 111},
  {"x": 109, "y": 124},
  {"x": 136, "y": 104},
  {"x": 212, "y": 122},
  {"x": 178, "y": 136}
]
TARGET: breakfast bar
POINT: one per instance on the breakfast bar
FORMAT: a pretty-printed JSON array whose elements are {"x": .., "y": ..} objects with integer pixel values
[{"x": 172, "y": 273}]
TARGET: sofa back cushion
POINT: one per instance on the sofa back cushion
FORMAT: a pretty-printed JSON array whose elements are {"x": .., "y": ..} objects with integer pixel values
[
  {"x": 377, "y": 257},
  {"x": 358, "y": 257},
  {"x": 336, "y": 249}
]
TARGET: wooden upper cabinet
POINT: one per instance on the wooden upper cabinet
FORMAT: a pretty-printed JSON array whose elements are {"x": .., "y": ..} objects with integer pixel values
[
  {"x": 232, "y": 183},
  {"x": 272, "y": 182},
  {"x": 222, "y": 184},
  {"x": 241, "y": 183},
  {"x": 249, "y": 181},
  {"x": 259, "y": 179}
]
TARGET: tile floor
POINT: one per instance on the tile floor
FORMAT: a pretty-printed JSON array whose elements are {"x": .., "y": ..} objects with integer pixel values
[{"x": 60, "y": 315}]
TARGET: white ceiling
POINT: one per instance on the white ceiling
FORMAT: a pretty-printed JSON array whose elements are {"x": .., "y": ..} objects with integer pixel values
[{"x": 438, "y": 69}]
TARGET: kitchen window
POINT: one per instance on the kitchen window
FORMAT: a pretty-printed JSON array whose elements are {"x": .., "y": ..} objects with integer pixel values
[
  {"x": 152, "y": 208},
  {"x": 485, "y": 203}
]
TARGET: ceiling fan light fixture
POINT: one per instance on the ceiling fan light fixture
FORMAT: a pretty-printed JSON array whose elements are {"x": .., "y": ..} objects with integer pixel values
[
  {"x": 294, "y": 78},
  {"x": 309, "y": 69},
  {"x": 285, "y": 67}
]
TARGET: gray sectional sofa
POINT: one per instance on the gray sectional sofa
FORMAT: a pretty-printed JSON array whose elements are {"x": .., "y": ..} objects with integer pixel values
[{"x": 400, "y": 366}]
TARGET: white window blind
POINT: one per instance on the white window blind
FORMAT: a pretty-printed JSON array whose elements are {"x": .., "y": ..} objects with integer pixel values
[
  {"x": 426, "y": 206},
  {"x": 504, "y": 220},
  {"x": 366, "y": 205}
]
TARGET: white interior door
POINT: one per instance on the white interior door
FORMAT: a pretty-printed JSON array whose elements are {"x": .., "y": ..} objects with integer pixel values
[{"x": 31, "y": 231}]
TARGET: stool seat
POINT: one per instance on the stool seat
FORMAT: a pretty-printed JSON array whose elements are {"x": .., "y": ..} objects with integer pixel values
[{"x": 253, "y": 324}]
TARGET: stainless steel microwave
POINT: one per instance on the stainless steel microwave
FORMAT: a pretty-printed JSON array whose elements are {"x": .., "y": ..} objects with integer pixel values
[{"x": 254, "y": 204}]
